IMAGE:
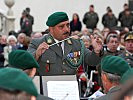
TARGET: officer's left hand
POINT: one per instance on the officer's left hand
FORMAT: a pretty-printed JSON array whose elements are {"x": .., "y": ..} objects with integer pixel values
[{"x": 97, "y": 44}]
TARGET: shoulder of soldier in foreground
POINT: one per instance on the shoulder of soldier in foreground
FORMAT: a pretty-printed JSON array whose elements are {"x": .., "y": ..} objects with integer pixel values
[
  {"x": 41, "y": 97},
  {"x": 115, "y": 89}
]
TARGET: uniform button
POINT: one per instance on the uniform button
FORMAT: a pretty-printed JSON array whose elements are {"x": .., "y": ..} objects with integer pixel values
[
  {"x": 64, "y": 71},
  {"x": 63, "y": 63}
]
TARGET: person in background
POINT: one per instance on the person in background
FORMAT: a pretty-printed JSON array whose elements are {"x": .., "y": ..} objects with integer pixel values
[
  {"x": 110, "y": 21},
  {"x": 20, "y": 40},
  {"x": 26, "y": 22},
  {"x": 13, "y": 33},
  {"x": 122, "y": 13},
  {"x": 86, "y": 31},
  {"x": 36, "y": 35},
  {"x": 105, "y": 33},
  {"x": 3, "y": 43},
  {"x": 91, "y": 18},
  {"x": 127, "y": 20},
  {"x": 11, "y": 45},
  {"x": 75, "y": 24},
  {"x": 122, "y": 42},
  {"x": 112, "y": 43},
  {"x": 104, "y": 16},
  {"x": 16, "y": 85},
  {"x": 127, "y": 54},
  {"x": 31, "y": 19},
  {"x": 87, "y": 41},
  {"x": 27, "y": 63},
  {"x": 112, "y": 69},
  {"x": 26, "y": 43}
]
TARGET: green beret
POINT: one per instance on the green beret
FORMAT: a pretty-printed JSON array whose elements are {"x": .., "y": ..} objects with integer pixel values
[
  {"x": 22, "y": 59},
  {"x": 56, "y": 18},
  {"x": 114, "y": 65},
  {"x": 128, "y": 36},
  {"x": 15, "y": 79},
  {"x": 127, "y": 75}
]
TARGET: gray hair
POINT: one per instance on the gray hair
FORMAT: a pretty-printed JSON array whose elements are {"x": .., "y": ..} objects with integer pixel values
[
  {"x": 111, "y": 35},
  {"x": 86, "y": 37},
  {"x": 113, "y": 78},
  {"x": 11, "y": 37}
]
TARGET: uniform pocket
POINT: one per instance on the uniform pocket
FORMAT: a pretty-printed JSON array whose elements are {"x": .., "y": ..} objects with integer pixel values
[{"x": 49, "y": 57}]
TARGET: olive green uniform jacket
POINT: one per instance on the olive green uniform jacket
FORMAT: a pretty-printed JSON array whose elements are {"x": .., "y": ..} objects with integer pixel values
[
  {"x": 110, "y": 95},
  {"x": 41, "y": 97},
  {"x": 128, "y": 57},
  {"x": 53, "y": 63}
]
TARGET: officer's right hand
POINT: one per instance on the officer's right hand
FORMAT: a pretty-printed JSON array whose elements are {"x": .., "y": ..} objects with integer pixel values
[{"x": 41, "y": 49}]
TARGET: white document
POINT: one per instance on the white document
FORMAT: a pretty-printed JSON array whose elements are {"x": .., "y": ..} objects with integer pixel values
[
  {"x": 96, "y": 94},
  {"x": 63, "y": 90}
]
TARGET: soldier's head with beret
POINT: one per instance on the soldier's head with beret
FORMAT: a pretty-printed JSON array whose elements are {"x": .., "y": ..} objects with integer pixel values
[
  {"x": 22, "y": 59},
  {"x": 58, "y": 23},
  {"x": 129, "y": 42},
  {"x": 16, "y": 85},
  {"x": 113, "y": 67}
]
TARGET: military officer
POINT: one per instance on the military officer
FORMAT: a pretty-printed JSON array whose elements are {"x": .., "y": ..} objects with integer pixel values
[
  {"x": 64, "y": 58},
  {"x": 113, "y": 68},
  {"x": 128, "y": 53}
]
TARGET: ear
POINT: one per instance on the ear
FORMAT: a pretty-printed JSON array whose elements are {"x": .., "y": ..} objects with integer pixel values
[
  {"x": 104, "y": 77},
  {"x": 33, "y": 72},
  {"x": 33, "y": 98}
]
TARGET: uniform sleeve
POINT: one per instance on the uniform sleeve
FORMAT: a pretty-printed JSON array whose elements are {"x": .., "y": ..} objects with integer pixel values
[
  {"x": 33, "y": 46},
  {"x": 91, "y": 58}
]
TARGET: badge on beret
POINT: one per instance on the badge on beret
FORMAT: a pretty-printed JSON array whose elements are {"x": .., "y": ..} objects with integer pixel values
[{"x": 129, "y": 37}]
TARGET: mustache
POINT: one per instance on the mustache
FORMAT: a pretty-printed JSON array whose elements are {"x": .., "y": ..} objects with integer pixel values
[{"x": 66, "y": 33}]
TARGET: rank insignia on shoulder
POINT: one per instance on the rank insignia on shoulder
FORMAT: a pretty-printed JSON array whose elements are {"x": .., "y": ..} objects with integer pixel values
[
  {"x": 49, "y": 40},
  {"x": 69, "y": 41}
]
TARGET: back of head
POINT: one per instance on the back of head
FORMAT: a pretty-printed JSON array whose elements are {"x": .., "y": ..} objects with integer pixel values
[{"x": 14, "y": 81}]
